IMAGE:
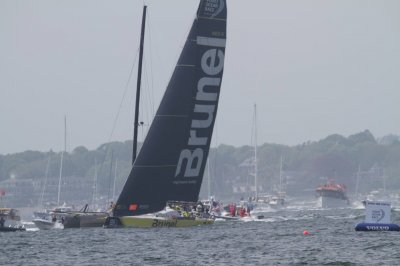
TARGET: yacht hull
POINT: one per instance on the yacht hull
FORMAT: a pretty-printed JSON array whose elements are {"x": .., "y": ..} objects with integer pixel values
[
  {"x": 43, "y": 224},
  {"x": 146, "y": 221},
  {"x": 93, "y": 220},
  {"x": 331, "y": 202},
  {"x": 11, "y": 229},
  {"x": 84, "y": 219}
]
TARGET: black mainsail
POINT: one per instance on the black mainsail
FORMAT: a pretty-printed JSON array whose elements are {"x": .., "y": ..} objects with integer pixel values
[{"x": 171, "y": 162}]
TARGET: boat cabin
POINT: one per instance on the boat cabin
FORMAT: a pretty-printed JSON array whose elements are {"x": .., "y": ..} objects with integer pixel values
[{"x": 10, "y": 214}]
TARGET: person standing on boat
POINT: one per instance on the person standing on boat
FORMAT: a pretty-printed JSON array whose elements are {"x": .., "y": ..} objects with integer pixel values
[
  {"x": 2, "y": 221},
  {"x": 242, "y": 212},
  {"x": 200, "y": 207},
  {"x": 249, "y": 207},
  {"x": 232, "y": 209}
]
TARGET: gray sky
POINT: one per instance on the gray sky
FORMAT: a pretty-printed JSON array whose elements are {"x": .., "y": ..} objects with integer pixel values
[{"x": 314, "y": 68}]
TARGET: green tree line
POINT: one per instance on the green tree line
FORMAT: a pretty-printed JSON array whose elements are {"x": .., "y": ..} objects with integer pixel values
[{"x": 303, "y": 165}]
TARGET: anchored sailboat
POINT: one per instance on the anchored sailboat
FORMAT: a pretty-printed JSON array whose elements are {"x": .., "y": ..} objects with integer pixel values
[
  {"x": 262, "y": 202},
  {"x": 171, "y": 162},
  {"x": 63, "y": 216}
]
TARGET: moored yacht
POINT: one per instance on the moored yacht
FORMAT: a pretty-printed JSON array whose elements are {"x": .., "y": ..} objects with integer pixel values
[{"x": 66, "y": 217}]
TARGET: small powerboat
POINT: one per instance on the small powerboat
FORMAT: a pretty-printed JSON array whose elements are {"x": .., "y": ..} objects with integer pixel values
[
  {"x": 11, "y": 229},
  {"x": 46, "y": 224},
  {"x": 10, "y": 221}
]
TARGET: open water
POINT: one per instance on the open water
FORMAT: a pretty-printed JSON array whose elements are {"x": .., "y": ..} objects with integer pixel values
[{"x": 278, "y": 240}]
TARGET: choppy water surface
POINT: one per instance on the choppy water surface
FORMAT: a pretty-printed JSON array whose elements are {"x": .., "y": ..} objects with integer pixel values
[{"x": 277, "y": 240}]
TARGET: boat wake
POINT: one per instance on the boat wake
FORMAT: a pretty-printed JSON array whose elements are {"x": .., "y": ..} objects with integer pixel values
[
  {"x": 34, "y": 229},
  {"x": 342, "y": 217}
]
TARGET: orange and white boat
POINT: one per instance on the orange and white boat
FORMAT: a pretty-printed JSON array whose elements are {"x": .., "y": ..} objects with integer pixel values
[{"x": 332, "y": 195}]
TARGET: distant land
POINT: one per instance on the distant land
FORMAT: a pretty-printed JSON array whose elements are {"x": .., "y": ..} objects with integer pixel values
[{"x": 88, "y": 175}]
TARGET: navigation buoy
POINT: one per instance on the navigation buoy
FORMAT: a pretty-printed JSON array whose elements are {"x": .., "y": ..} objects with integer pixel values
[
  {"x": 305, "y": 232},
  {"x": 376, "y": 227},
  {"x": 377, "y": 217}
]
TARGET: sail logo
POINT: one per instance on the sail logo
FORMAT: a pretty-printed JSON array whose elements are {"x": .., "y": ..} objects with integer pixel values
[
  {"x": 378, "y": 215},
  {"x": 213, "y": 7},
  {"x": 212, "y": 64},
  {"x": 160, "y": 223}
]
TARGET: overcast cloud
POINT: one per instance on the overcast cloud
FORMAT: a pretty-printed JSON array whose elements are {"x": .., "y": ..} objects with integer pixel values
[{"x": 314, "y": 68}]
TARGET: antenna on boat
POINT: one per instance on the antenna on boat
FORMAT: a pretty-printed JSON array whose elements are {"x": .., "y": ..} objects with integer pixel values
[{"x": 139, "y": 80}]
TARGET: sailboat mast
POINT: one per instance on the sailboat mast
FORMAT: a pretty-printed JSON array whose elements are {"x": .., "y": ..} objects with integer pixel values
[
  {"x": 208, "y": 180},
  {"x": 384, "y": 181},
  {"x": 280, "y": 175},
  {"x": 94, "y": 182},
  {"x": 65, "y": 133},
  {"x": 139, "y": 80},
  {"x": 115, "y": 178},
  {"x": 255, "y": 150},
  {"x": 62, "y": 159},
  {"x": 45, "y": 181},
  {"x": 109, "y": 180},
  {"x": 357, "y": 181}
]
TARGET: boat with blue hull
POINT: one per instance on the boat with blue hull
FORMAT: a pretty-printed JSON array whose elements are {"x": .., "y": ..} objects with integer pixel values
[{"x": 376, "y": 227}]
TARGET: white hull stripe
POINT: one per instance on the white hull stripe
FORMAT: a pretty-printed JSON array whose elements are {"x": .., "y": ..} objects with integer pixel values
[{"x": 209, "y": 41}]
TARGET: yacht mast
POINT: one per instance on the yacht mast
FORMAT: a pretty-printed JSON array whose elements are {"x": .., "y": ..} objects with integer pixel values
[
  {"x": 208, "y": 180},
  {"x": 94, "y": 181},
  {"x": 280, "y": 175},
  {"x": 115, "y": 178},
  {"x": 357, "y": 181},
  {"x": 255, "y": 150},
  {"x": 62, "y": 158},
  {"x": 45, "y": 181},
  {"x": 139, "y": 80}
]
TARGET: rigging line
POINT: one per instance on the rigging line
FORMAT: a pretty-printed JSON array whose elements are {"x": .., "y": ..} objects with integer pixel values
[
  {"x": 177, "y": 55},
  {"x": 148, "y": 95},
  {"x": 214, "y": 168},
  {"x": 182, "y": 42},
  {"x": 253, "y": 128},
  {"x": 123, "y": 96},
  {"x": 45, "y": 181},
  {"x": 151, "y": 65},
  {"x": 120, "y": 107},
  {"x": 109, "y": 178},
  {"x": 146, "y": 88},
  {"x": 115, "y": 177},
  {"x": 94, "y": 192},
  {"x": 150, "y": 106},
  {"x": 144, "y": 109}
]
